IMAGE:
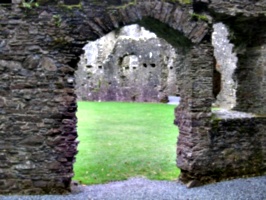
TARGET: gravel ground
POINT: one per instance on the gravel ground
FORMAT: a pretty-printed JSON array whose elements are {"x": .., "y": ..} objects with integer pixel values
[{"x": 144, "y": 189}]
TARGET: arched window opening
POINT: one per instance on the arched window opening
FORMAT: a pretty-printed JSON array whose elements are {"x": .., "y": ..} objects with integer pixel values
[{"x": 224, "y": 86}]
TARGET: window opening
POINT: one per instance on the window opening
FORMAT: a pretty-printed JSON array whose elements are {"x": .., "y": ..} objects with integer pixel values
[{"x": 224, "y": 85}]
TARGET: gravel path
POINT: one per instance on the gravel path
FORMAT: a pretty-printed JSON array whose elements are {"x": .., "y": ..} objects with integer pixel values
[{"x": 144, "y": 189}]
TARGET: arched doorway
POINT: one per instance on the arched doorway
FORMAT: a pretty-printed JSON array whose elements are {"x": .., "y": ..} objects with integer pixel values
[
  {"x": 41, "y": 49},
  {"x": 136, "y": 66},
  {"x": 195, "y": 108}
]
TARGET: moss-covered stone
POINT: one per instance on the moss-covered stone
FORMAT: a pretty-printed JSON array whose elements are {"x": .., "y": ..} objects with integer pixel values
[
  {"x": 71, "y": 7},
  {"x": 200, "y": 17}
]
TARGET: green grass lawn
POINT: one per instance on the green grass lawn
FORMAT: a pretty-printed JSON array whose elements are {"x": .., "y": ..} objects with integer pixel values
[{"x": 122, "y": 140}]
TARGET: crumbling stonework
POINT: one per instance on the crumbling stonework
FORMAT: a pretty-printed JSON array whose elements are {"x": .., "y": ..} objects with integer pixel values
[
  {"x": 244, "y": 134},
  {"x": 39, "y": 52},
  {"x": 250, "y": 74},
  {"x": 131, "y": 65}
]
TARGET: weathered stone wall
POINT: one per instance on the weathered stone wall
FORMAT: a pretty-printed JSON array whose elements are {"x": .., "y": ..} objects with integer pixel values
[
  {"x": 124, "y": 66},
  {"x": 40, "y": 49},
  {"x": 249, "y": 8},
  {"x": 37, "y": 106},
  {"x": 39, "y": 52},
  {"x": 244, "y": 147},
  {"x": 194, "y": 113},
  {"x": 250, "y": 73}
]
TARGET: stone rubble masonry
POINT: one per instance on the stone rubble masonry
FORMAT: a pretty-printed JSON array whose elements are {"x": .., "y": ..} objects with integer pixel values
[
  {"x": 251, "y": 75},
  {"x": 239, "y": 7},
  {"x": 39, "y": 52}
]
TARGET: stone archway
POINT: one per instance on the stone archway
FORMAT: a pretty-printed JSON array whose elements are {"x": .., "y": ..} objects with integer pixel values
[
  {"x": 194, "y": 102},
  {"x": 43, "y": 52},
  {"x": 39, "y": 53}
]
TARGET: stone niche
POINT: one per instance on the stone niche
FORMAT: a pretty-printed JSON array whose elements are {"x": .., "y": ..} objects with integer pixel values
[{"x": 130, "y": 65}]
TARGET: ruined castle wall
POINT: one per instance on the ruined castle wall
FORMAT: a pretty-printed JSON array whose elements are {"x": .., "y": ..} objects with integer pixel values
[
  {"x": 237, "y": 143},
  {"x": 39, "y": 52},
  {"x": 40, "y": 49},
  {"x": 251, "y": 75},
  {"x": 37, "y": 106},
  {"x": 194, "y": 113},
  {"x": 132, "y": 65}
]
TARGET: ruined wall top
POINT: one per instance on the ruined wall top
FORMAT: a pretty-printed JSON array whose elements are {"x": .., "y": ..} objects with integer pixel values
[{"x": 248, "y": 8}]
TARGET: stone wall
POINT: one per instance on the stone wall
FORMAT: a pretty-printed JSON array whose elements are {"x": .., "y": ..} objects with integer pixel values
[
  {"x": 250, "y": 73},
  {"x": 193, "y": 115},
  {"x": 40, "y": 49},
  {"x": 37, "y": 107},
  {"x": 39, "y": 53},
  {"x": 129, "y": 65},
  {"x": 248, "y": 8},
  {"x": 244, "y": 134}
]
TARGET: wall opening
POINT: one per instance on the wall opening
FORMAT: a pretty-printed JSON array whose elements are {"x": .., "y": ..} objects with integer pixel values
[
  {"x": 224, "y": 85},
  {"x": 136, "y": 66}
]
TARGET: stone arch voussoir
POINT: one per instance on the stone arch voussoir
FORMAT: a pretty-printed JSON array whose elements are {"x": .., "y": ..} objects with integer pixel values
[{"x": 175, "y": 16}]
